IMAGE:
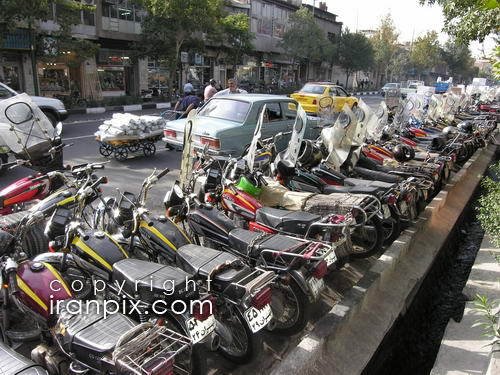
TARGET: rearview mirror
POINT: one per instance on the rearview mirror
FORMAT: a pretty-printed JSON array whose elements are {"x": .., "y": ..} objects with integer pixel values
[{"x": 18, "y": 113}]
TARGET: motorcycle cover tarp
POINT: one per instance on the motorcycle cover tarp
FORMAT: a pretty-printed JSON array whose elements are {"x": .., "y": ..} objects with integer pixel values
[
  {"x": 30, "y": 139},
  {"x": 377, "y": 122},
  {"x": 299, "y": 128},
  {"x": 363, "y": 114},
  {"x": 252, "y": 149},
  {"x": 187, "y": 159},
  {"x": 338, "y": 138}
]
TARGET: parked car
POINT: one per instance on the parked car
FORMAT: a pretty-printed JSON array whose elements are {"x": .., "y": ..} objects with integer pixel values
[
  {"x": 310, "y": 95},
  {"x": 227, "y": 123},
  {"x": 53, "y": 108},
  {"x": 389, "y": 86}
]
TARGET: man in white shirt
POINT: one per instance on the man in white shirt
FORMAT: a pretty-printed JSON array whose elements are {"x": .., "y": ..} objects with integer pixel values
[
  {"x": 232, "y": 89},
  {"x": 210, "y": 90}
]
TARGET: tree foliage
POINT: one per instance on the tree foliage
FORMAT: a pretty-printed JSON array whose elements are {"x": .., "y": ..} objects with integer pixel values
[
  {"x": 304, "y": 41},
  {"x": 385, "y": 45},
  {"x": 354, "y": 53},
  {"x": 459, "y": 60},
  {"x": 232, "y": 36},
  {"x": 469, "y": 20},
  {"x": 426, "y": 52},
  {"x": 489, "y": 204},
  {"x": 25, "y": 14}
]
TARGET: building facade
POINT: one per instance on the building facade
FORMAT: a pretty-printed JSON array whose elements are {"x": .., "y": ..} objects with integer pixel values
[{"x": 116, "y": 24}]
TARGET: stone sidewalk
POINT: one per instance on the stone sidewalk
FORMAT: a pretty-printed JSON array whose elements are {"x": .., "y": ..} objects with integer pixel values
[{"x": 464, "y": 349}]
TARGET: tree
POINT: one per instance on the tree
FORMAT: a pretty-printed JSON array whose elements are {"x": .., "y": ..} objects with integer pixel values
[
  {"x": 14, "y": 14},
  {"x": 232, "y": 36},
  {"x": 385, "y": 45},
  {"x": 172, "y": 24},
  {"x": 399, "y": 64},
  {"x": 354, "y": 53},
  {"x": 468, "y": 20},
  {"x": 426, "y": 52},
  {"x": 304, "y": 41},
  {"x": 459, "y": 60}
]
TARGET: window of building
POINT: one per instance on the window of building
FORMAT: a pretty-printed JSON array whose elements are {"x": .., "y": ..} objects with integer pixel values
[
  {"x": 88, "y": 18},
  {"x": 332, "y": 37}
]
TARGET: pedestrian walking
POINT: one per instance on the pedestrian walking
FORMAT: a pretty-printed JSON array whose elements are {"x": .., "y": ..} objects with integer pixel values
[
  {"x": 232, "y": 89},
  {"x": 210, "y": 90}
]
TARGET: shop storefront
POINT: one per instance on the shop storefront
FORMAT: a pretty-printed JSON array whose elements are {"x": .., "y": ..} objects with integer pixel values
[
  {"x": 113, "y": 67},
  {"x": 54, "y": 79},
  {"x": 158, "y": 78}
]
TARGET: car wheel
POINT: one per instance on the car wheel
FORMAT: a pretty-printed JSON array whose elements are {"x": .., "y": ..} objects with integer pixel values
[{"x": 51, "y": 117}]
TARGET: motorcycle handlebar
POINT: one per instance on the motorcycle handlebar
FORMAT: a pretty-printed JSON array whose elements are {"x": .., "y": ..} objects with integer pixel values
[{"x": 162, "y": 173}]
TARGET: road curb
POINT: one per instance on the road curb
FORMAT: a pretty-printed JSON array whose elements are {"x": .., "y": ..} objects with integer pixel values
[
  {"x": 346, "y": 338},
  {"x": 119, "y": 108},
  {"x": 365, "y": 93}
]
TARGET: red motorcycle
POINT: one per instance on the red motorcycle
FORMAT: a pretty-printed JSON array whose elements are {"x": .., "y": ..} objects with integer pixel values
[{"x": 15, "y": 196}]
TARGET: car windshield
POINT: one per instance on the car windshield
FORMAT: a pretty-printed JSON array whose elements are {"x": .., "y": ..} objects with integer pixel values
[
  {"x": 5, "y": 93},
  {"x": 390, "y": 85},
  {"x": 312, "y": 89},
  {"x": 226, "y": 109}
]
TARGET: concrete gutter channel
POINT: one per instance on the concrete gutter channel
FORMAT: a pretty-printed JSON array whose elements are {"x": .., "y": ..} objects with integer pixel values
[
  {"x": 464, "y": 348},
  {"x": 344, "y": 339}
]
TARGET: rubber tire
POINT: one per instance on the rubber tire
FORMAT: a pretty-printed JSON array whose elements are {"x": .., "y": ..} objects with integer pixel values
[
  {"x": 396, "y": 229},
  {"x": 4, "y": 158},
  {"x": 35, "y": 242},
  {"x": 255, "y": 344},
  {"x": 377, "y": 223},
  {"x": 304, "y": 311},
  {"x": 51, "y": 117}
]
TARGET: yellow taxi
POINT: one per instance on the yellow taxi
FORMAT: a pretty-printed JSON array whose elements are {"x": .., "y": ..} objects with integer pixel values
[{"x": 315, "y": 96}]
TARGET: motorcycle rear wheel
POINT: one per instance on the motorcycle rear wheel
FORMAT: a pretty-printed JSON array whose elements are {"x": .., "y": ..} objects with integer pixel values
[
  {"x": 245, "y": 344},
  {"x": 367, "y": 240},
  {"x": 291, "y": 297},
  {"x": 391, "y": 227}
]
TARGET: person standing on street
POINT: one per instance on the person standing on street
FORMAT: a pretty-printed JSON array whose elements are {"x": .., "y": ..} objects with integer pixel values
[
  {"x": 210, "y": 90},
  {"x": 232, "y": 89},
  {"x": 188, "y": 88}
]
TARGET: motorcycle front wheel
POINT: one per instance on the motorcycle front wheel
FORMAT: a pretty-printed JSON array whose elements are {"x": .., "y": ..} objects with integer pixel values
[{"x": 242, "y": 345}]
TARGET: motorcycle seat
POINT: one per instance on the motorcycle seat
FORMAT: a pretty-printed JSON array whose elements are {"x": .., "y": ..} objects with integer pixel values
[
  {"x": 359, "y": 182},
  {"x": 377, "y": 175},
  {"x": 363, "y": 189},
  {"x": 242, "y": 239},
  {"x": 148, "y": 279},
  {"x": 296, "y": 222},
  {"x": 199, "y": 260},
  {"x": 90, "y": 330},
  {"x": 253, "y": 243},
  {"x": 14, "y": 363}
]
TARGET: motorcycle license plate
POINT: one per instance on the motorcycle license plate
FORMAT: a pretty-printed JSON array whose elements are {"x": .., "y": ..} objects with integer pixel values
[
  {"x": 387, "y": 211},
  {"x": 199, "y": 329},
  {"x": 330, "y": 258},
  {"x": 258, "y": 319},
  {"x": 403, "y": 207},
  {"x": 316, "y": 286}
]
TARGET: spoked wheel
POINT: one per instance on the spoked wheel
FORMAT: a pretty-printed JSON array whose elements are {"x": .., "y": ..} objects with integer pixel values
[
  {"x": 121, "y": 153},
  {"x": 391, "y": 227},
  {"x": 149, "y": 149},
  {"x": 105, "y": 149},
  {"x": 367, "y": 239},
  {"x": 134, "y": 147},
  {"x": 290, "y": 306},
  {"x": 238, "y": 343}
]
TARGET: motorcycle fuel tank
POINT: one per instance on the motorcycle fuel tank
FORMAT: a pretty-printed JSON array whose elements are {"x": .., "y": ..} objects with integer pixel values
[
  {"x": 23, "y": 190},
  {"x": 240, "y": 203},
  {"x": 41, "y": 286},
  {"x": 98, "y": 248}
]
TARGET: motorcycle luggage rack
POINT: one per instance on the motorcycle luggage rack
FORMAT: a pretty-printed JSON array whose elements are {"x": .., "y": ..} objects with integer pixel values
[
  {"x": 284, "y": 260},
  {"x": 258, "y": 279},
  {"x": 146, "y": 352}
]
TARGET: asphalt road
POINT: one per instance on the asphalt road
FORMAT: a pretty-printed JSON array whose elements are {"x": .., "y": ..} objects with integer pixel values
[{"x": 128, "y": 175}]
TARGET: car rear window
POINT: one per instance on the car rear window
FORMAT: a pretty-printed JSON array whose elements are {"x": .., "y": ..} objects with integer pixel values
[
  {"x": 226, "y": 109},
  {"x": 313, "y": 89}
]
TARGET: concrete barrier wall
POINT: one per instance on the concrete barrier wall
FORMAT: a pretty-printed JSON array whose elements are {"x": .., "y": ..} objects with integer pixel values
[{"x": 345, "y": 339}]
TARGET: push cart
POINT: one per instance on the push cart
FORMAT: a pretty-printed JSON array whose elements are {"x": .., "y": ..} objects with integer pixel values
[{"x": 119, "y": 147}]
